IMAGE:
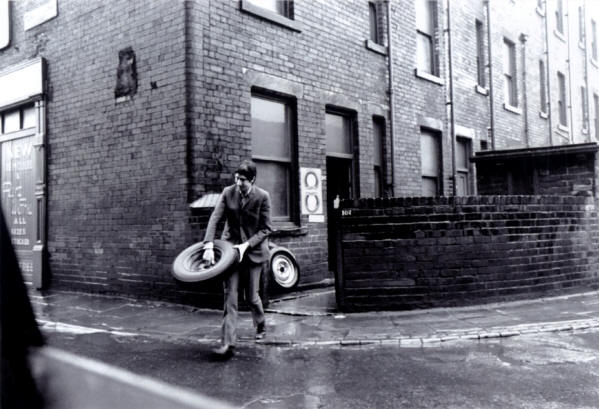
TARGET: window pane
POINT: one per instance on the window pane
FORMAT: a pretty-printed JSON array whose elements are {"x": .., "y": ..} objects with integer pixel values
[
  {"x": 424, "y": 16},
  {"x": 429, "y": 186},
  {"x": 29, "y": 117},
  {"x": 377, "y": 146},
  {"x": 276, "y": 6},
  {"x": 274, "y": 178},
  {"x": 480, "y": 54},
  {"x": 424, "y": 49},
  {"x": 338, "y": 134},
  {"x": 462, "y": 154},
  {"x": 378, "y": 182},
  {"x": 374, "y": 34},
  {"x": 429, "y": 154},
  {"x": 12, "y": 121},
  {"x": 270, "y": 130}
]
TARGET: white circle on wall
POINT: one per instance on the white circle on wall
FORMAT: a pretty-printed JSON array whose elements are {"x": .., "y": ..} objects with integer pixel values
[
  {"x": 311, "y": 180},
  {"x": 312, "y": 203}
]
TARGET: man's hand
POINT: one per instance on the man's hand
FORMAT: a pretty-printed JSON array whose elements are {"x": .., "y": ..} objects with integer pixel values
[
  {"x": 242, "y": 248},
  {"x": 208, "y": 255}
]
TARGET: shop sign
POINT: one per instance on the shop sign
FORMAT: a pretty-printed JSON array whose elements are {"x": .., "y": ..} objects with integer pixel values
[
  {"x": 40, "y": 14},
  {"x": 4, "y": 24},
  {"x": 21, "y": 83}
]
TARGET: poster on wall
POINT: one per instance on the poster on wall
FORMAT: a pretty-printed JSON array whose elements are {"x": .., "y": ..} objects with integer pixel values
[
  {"x": 311, "y": 193},
  {"x": 18, "y": 198}
]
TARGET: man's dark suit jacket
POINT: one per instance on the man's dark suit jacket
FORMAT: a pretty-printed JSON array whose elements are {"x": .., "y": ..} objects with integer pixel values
[{"x": 250, "y": 222}]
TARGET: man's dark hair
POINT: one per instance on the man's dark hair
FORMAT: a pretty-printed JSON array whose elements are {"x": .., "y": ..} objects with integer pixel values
[{"x": 247, "y": 168}]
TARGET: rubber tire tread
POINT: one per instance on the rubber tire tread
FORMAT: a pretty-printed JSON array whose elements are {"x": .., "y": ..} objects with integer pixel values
[{"x": 180, "y": 270}]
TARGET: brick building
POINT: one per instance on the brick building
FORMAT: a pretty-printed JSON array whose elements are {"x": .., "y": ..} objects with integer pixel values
[{"x": 116, "y": 116}]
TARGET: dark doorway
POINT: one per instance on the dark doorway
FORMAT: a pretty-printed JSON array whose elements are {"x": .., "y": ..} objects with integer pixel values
[{"x": 339, "y": 187}]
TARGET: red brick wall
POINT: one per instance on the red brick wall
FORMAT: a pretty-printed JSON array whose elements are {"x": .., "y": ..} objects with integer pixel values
[{"x": 411, "y": 253}]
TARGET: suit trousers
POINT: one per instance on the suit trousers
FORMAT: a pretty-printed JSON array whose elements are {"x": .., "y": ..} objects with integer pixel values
[{"x": 250, "y": 272}]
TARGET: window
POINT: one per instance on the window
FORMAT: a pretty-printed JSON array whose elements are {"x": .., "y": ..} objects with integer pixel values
[
  {"x": 18, "y": 119},
  {"x": 463, "y": 167},
  {"x": 341, "y": 167},
  {"x": 559, "y": 16},
  {"x": 378, "y": 145},
  {"x": 373, "y": 15},
  {"x": 581, "y": 25},
  {"x": 585, "y": 108},
  {"x": 480, "y": 54},
  {"x": 282, "y": 7},
  {"x": 425, "y": 32},
  {"x": 561, "y": 103},
  {"x": 509, "y": 72},
  {"x": 430, "y": 156},
  {"x": 594, "y": 39},
  {"x": 543, "y": 86},
  {"x": 273, "y": 124},
  {"x": 596, "y": 106}
]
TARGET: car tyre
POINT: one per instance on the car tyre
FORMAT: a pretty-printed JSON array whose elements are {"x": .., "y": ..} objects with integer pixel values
[
  {"x": 190, "y": 267},
  {"x": 283, "y": 268}
]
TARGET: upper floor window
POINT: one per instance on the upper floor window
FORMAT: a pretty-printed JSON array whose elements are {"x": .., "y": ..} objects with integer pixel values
[
  {"x": 273, "y": 124},
  {"x": 373, "y": 15},
  {"x": 282, "y": 7},
  {"x": 594, "y": 39},
  {"x": 559, "y": 16},
  {"x": 480, "y": 54},
  {"x": 596, "y": 108},
  {"x": 542, "y": 86},
  {"x": 510, "y": 74},
  {"x": 426, "y": 53},
  {"x": 585, "y": 108},
  {"x": 561, "y": 103},
  {"x": 581, "y": 25}
]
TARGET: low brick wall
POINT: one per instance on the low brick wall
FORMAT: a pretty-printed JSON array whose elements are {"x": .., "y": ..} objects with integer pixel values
[{"x": 407, "y": 253}]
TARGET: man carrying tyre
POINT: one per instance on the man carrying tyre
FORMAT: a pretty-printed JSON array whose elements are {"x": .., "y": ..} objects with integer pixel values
[{"x": 246, "y": 209}]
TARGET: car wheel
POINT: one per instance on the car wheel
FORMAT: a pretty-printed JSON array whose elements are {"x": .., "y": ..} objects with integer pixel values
[
  {"x": 190, "y": 267},
  {"x": 284, "y": 268}
]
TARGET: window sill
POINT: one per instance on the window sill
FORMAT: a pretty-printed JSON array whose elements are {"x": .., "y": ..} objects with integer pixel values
[
  {"x": 270, "y": 16},
  {"x": 512, "y": 109},
  {"x": 559, "y": 35},
  {"x": 543, "y": 115},
  {"x": 563, "y": 128},
  {"x": 481, "y": 90},
  {"x": 540, "y": 11},
  {"x": 281, "y": 229},
  {"x": 428, "y": 77},
  {"x": 377, "y": 48}
]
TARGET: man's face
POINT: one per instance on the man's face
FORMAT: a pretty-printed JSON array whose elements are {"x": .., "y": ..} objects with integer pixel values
[{"x": 243, "y": 183}]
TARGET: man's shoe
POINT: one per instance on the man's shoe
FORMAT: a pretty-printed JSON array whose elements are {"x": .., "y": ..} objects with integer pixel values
[
  {"x": 225, "y": 351},
  {"x": 261, "y": 331}
]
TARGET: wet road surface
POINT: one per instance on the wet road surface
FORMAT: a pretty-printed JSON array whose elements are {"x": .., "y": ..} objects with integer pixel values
[{"x": 551, "y": 370}]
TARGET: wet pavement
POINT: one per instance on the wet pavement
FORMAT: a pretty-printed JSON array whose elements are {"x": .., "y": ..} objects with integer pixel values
[{"x": 309, "y": 318}]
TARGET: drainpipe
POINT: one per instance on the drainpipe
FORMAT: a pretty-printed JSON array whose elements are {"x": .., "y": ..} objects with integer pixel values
[
  {"x": 391, "y": 98},
  {"x": 586, "y": 70},
  {"x": 490, "y": 64},
  {"x": 549, "y": 114},
  {"x": 569, "y": 72},
  {"x": 451, "y": 104},
  {"x": 523, "y": 38}
]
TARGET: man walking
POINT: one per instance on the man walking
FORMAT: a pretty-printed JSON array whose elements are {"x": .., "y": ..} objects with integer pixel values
[{"x": 246, "y": 208}]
